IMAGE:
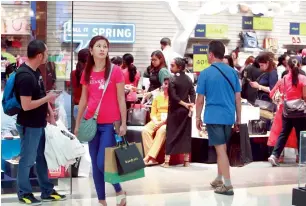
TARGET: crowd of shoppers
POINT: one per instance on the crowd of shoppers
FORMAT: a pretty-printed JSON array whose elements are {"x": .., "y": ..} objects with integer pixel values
[{"x": 174, "y": 101}]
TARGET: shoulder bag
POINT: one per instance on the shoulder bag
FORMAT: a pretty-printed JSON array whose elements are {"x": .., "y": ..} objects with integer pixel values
[
  {"x": 225, "y": 77},
  {"x": 293, "y": 108},
  {"x": 267, "y": 108},
  {"x": 88, "y": 128}
]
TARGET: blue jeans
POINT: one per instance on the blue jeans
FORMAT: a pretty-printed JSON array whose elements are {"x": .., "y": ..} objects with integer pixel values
[
  {"x": 32, "y": 150},
  {"x": 105, "y": 137}
]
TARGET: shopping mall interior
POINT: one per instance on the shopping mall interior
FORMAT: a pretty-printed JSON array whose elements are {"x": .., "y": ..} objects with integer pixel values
[{"x": 247, "y": 29}]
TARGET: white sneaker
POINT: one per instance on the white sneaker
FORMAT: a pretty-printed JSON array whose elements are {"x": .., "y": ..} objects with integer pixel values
[{"x": 273, "y": 160}]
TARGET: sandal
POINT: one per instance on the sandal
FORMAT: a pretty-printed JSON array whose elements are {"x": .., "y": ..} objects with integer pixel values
[
  {"x": 165, "y": 165},
  {"x": 186, "y": 160},
  {"x": 121, "y": 199},
  {"x": 151, "y": 163}
]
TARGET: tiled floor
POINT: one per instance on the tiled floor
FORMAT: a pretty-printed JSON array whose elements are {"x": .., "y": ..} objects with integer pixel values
[{"x": 256, "y": 184}]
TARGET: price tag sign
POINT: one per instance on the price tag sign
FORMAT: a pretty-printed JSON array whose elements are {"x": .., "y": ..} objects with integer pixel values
[
  {"x": 303, "y": 29},
  {"x": 263, "y": 23},
  {"x": 200, "y": 58},
  {"x": 216, "y": 31},
  {"x": 297, "y": 29},
  {"x": 257, "y": 23},
  {"x": 211, "y": 30}
]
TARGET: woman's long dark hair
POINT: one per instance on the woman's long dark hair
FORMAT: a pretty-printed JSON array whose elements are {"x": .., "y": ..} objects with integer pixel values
[
  {"x": 160, "y": 56},
  {"x": 128, "y": 60},
  {"x": 294, "y": 66},
  {"x": 281, "y": 60},
  {"x": 230, "y": 61},
  {"x": 267, "y": 57},
  {"x": 90, "y": 60},
  {"x": 82, "y": 58}
]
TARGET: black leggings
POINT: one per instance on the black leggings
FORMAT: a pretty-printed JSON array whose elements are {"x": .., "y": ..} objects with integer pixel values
[{"x": 288, "y": 124}]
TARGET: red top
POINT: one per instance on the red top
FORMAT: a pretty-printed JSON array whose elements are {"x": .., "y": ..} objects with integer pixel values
[
  {"x": 127, "y": 79},
  {"x": 77, "y": 91},
  {"x": 109, "y": 110},
  {"x": 291, "y": 92}
]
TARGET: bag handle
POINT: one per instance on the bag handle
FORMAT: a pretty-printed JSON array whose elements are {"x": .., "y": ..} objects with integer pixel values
[
  {"x": 285, "y": 93},
  {"x": 123, "y": 143},
  {"x": 225, "y": 77},
  {"x": 105, "y": 87}
]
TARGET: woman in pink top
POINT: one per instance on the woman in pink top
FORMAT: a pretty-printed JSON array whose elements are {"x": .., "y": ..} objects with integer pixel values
[
  {"x": 294, "y": 85},
  {"x": 131, "y": 75},
  {"x": 112, "y": 109}
]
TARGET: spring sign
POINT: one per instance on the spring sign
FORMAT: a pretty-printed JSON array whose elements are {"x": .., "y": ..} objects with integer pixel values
[{"x": 120, "y": 33}]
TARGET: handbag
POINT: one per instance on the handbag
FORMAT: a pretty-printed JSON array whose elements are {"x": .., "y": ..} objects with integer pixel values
[
  {"x": 293, "y": 108},
  {"x": 137, "y": 115},
  {"x": 267, "y": 108},
  {"x": 88, "y": 128},
  {"x": 239, "y": 147},
  {"x": 128, "y": 158}
]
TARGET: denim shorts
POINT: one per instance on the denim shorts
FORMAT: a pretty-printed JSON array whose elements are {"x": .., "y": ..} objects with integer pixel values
[{"x": 218, "y": 134}]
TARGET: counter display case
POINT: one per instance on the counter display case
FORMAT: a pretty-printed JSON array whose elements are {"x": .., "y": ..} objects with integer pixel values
[{"x": 299, "y": 193}]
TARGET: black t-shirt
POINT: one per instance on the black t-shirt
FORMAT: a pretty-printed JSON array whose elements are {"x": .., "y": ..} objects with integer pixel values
[{"x": 27, "y": 85}]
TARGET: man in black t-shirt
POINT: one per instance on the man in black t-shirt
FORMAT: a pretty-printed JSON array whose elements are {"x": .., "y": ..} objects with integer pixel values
[{"x": 31, "y": 121}]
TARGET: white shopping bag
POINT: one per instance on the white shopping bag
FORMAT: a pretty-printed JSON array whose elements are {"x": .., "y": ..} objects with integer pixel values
[
  {"x": 49, "y": 151},
  {"x": 65, "y": 147}
]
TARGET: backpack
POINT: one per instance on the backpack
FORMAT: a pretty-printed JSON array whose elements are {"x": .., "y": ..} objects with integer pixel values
[
  {"x": 249, "y": 39},
  {"x": 10, "y": 104}
]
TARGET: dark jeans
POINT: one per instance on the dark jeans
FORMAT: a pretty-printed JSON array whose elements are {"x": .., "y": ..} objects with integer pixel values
[
  {"x": 31, "y": 151},
  {"x": 288, "y": 124},
  {"x": 105, "y": 137}
]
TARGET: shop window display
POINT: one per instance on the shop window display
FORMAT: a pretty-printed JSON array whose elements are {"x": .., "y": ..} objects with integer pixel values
[{"x": 22, "y": 22}]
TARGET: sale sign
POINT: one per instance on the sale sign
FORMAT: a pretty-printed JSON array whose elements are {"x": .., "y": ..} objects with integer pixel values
[
  {"x": 257, "y": 23},
  {"x": 213, "y": 31},
  {"x": 200, "y": 58},
  {"x": 297, "y": 28}
]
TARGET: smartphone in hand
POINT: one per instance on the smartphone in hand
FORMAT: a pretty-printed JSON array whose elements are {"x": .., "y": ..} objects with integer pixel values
[{"x": 56, "y": 91}]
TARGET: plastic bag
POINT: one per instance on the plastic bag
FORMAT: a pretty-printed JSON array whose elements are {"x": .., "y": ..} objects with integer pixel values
[{"x": 62, "y": 147}]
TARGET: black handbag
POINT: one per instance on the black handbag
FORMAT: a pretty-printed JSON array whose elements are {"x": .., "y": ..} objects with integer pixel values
[
  {"x": 137, "y": 115},
  {"x": 239, "y": 147},
  {"x": 264, "y": 104},
  {"x": 128, "y": 158},
  {"x": 293, "y": 108}
]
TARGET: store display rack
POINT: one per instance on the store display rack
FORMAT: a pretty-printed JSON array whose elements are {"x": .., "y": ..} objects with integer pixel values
[{"x": 9, "y": 149}]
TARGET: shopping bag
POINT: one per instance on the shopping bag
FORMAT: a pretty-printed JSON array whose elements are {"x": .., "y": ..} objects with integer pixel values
[
  {"x": 128, "y": 158},
  {"x": 239, "y": 147},
  {"x": 111, "y": 174}
]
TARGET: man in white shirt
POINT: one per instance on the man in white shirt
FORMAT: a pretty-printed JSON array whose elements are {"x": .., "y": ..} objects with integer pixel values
[{"x": 168, "y": 52}]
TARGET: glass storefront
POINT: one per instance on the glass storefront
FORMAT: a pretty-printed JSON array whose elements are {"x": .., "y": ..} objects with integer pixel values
[{"x": 22, "y": 22}]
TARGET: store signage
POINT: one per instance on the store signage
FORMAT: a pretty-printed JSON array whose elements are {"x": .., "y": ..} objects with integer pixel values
[
  {"x": 211, "y": 30},
  {"x": 114, "y": 32},
  {"x": 200, "y": 58},
  {"x": 297, "y": 29},
  {"x": 257, "y": 23}
]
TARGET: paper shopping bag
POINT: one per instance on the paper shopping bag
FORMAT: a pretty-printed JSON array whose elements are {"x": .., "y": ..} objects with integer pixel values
[{"x": 111, "y": 173}]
